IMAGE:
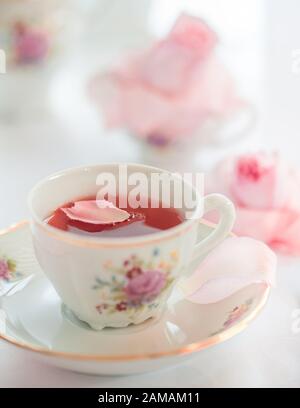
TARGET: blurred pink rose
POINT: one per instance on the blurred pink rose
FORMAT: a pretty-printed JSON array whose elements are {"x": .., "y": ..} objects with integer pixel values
[
  {"x": 31, "y": 45},
  {"x": 168, "y": 91},
  {"x": 259, "y": 181},
  {"x": 145, "y": 286},
  {"x": 266, "y": 193}
]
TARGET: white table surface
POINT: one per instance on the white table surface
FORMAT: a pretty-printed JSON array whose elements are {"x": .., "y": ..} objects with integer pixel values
[{"x": 268, "y": 352}]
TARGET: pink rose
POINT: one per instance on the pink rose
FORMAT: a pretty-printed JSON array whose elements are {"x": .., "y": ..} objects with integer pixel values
[
  {"x": 259, "y": 181},
  {"x": 31, "y": 45},
  {"x": 4, "y": 269},
  {"x": 266, "y": 193},
  {"x": 168, "y": 91},
  {"x": 145, "y": 286}
]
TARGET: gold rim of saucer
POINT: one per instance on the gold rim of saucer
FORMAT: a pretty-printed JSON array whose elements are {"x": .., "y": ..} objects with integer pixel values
[{"x": 188, "y": 349}]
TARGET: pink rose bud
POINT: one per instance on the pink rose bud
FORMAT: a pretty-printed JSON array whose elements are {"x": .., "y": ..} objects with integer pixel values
[{"x": 259, "y": 181}]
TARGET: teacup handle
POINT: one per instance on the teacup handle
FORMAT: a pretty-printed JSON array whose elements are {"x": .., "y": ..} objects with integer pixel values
[{"x": 227, "y": 217}]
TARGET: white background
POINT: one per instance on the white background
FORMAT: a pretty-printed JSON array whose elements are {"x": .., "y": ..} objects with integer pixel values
[{"x": 258, "y": 41}]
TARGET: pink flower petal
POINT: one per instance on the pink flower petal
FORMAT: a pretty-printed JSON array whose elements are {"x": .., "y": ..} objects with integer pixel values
[
  {"x": 96, "y": 212},
  {"x": 168, "y": 67},
  {"x": 287, "y": 239},
  {"x": 170, "y": 63},
  {"x": 105, "y": 90},
  {"x": 260, "y": 224},
  {"x": 236, "y": 263},
  {"x": 194, "y": 33}
]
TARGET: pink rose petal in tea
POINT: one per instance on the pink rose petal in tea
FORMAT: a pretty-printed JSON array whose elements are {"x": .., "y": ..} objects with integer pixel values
[{"x": 96, "y": 212}]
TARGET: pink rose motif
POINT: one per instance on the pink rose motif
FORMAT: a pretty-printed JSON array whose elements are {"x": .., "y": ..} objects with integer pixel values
[
  {"x": 31, "y": 45},
  {"x": 145, "y": 286},
  {"x": 167, "y": 92},
  {"x": 4, "y": 269},
  {"x": 266, "y": 193}
]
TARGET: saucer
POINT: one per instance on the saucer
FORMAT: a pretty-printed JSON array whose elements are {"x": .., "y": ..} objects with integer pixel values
[{"x": 32, "y": 318}]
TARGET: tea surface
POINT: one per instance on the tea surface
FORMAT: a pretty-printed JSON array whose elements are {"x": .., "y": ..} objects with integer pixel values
[{"x": 142, "y": 221}]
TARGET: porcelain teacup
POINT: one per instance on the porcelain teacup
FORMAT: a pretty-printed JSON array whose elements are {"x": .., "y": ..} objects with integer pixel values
[{"x": 92, "y": 275}]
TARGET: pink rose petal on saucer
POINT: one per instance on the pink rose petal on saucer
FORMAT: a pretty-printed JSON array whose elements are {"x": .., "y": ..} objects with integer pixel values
[
  {"x": 96, "y": 212},
  {"x": 233, "y": 265}
]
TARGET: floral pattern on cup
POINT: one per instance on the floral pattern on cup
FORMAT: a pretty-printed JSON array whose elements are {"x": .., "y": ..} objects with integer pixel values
[
  {"x": 8, "y": 271},
  {"x": 136, "y": 284}
]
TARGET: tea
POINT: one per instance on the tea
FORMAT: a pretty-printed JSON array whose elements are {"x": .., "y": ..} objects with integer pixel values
[{"x": 140, "y": 221}]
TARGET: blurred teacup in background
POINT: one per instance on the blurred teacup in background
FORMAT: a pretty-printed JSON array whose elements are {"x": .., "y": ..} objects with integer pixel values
[
  {"x": 174, "y": 97},
  {"x": 33, "y": 34}
]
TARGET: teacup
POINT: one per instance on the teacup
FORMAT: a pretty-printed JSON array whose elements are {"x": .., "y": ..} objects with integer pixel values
[{"x": 90, "y": 274}]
